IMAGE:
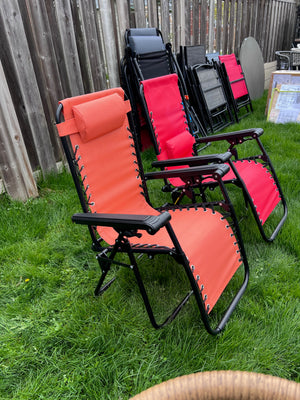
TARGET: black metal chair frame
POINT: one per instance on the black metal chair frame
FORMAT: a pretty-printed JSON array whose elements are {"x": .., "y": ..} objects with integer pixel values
[
  {"x": 241, "y": 103},
  {"x": 217, "y": 116},
  {"x": 128, "y": 225}
]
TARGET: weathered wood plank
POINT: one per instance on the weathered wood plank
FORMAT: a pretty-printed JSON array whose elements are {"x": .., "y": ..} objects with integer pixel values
[
  {"x": 152, "y": 13},
  {"x": 225, "y": 27},
  {"x": 67, "y": 48},
  {"x": 110, "y": 43},
  {"x": 211, "y": 30},
  {"x": 238, "y": 31},
  {"x": 203, "y": 23},
  {"x": 15, "y": 166},
  {"x": 139, "y": 11},
  {"x": 20, "y": 64},
  {"x": 219, "y": 27},
  {"x": 180, "y": 25},
  {"x": 195, "y": 39},
  {"x": 122, "y": 15},
  {"x": 187, "y": 22},
  {"x": 38, "y": 32},
  {"x": 165, "y": 20},
  {"x": 231, "y": 34}
]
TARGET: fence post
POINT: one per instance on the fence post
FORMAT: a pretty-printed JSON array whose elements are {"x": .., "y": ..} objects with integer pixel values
[{"x": 15, "y": 167}]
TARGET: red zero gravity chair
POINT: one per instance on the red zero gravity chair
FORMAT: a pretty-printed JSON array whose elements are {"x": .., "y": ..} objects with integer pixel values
[
  {"x": 234, "y": 81},
  {"x": 175, "y": 146},
  {"x": 111, "y": 187}
]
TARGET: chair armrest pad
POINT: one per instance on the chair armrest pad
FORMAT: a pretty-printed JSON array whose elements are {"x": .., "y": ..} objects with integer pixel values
[
  {"x": 150, "y": 223},
  {"x": 193, "y": 161},
  {"x": 215, "y": 170},
  {"x": 235, "y": 137}
]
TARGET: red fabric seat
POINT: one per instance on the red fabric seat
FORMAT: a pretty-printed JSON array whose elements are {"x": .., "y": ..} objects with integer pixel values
[{"x": 235, "y": 75}]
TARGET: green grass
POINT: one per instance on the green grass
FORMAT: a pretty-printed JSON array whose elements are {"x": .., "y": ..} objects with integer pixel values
[{"x": 60, "y": 342}]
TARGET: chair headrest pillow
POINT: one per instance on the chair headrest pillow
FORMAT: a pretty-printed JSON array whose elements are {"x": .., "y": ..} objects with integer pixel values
[
  {"x": 98, "y": 117},
  {"x": 180, "y": 145},
  {"x": 143, "y": 32},
  {"x": 146, "y": 44}
]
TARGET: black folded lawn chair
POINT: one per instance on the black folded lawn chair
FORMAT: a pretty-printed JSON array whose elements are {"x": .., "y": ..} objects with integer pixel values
[
  {"x": 147, "y": 57},
  {"x": 208, "y": 97},
  {"x": 191, "y": 55},
  {"x": 112, "y": 190},
  {"x": 205, "y": 89},
  {"x": 175, "y": 146},
  {"x": 235, "y": 85}
]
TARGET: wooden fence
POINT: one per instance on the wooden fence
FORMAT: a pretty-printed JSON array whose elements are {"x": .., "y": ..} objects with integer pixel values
[{"x": 59, "y": 48}]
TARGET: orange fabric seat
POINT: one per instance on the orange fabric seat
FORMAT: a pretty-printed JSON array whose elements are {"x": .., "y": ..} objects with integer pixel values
[{"x": 104, "y": 150}]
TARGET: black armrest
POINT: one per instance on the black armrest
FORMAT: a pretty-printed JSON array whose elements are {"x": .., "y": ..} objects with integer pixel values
[
  {"x": 217, "y": 171},
  {"x": 235, "y": 137},
  {"x": 194, "y": 161},
  {"x": 149, "y": 223}
]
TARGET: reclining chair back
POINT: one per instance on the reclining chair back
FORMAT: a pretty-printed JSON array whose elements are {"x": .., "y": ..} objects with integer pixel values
[
  {"x": 148, "y": 52},
  {"x": 109, "y": 181},
  {"x": 205, "y": 89},
  {"x": 191, "y": 55},
  {"x": 147, "y": 57},
  {"x": 166, "y": 114},
  {"x": 209, "y": 97},
  {"x": 234, "y": 81}
]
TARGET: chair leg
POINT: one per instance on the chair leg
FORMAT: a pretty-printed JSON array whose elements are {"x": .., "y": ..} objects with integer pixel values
[
  {"x": 105, "y": 263},
  {"x": 145, "y": 297}
]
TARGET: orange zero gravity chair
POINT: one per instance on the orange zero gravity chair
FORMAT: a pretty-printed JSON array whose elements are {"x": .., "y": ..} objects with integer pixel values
[
  {"x": 175, "y": 146},
  {"x": 99, "y": 147}
]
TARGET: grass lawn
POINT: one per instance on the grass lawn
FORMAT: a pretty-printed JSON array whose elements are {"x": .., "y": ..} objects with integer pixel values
[{"x": 60, "y": 342}]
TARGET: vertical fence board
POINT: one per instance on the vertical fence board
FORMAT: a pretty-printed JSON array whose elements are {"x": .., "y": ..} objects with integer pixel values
[
  {"x": 195, "y": 34},
  {"x": 225, "y": 26},
  {"x": 179, "y": 23},
  {"x": 238, "y": 27},
  {"x": 152, "y": 13},
  {"x": 94, "y": 60},
  {"x": 15, "y": 166},
  {"x": 203, "y": 23},
  {"x": 82, "y": 49},
  {"x": 140, "y": 18},
  {"x": 122, "y": 14},
  {"x": 211, "y": 30},
  {"x": 25, "y": 80},
  {"x": 231, "y": 34},
  {"x": 110, "y": 43},
  {"x": 38, "y": 32},
  {"x": 274, "y": 28},
  {"x": 68, "y": 48},
  {"x": 165, "y": 20},
  {"x": 188, "y": 22},
  {"x": 219, "y": 26}
]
